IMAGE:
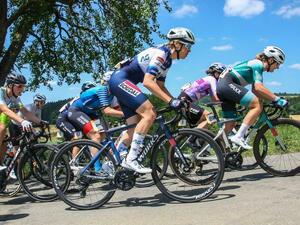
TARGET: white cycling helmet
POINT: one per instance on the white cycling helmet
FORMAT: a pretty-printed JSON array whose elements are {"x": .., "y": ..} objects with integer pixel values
[
  {"x": 39, "y": 98},
  {"x": 181, "y": 34},
  {"x": 276, "y": 53},
  {"x": 106, "y": 77}
]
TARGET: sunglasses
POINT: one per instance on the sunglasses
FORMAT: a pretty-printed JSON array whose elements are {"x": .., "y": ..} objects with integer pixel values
[{"x": 188, "y": 46}]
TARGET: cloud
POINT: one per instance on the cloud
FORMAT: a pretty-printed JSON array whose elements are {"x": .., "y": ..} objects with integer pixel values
[
  {"x": 288, "y": 11},
  {"x": 178, "y": 78},
  {"x": 274, "y": 83},
  {"x": 244, "y": 8},
  {"x": 222, "y": 48},
  {"x": 295, "y": 66},
  {"x": 52, "y": 83},
  {"x": 185, "y": 10}
]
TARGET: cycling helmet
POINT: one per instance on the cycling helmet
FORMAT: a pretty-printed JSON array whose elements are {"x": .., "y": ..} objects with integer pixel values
[
  {"x": 87, "y": 85},
  {"x": 39, "y": 98},
  {"x": 276, "y": 53},
  {"x": 13, "y": 78},
  {"x": 216, "y": 67},
  {"x": 181, "y": 34},
  {"x": 106, "y": 77}
]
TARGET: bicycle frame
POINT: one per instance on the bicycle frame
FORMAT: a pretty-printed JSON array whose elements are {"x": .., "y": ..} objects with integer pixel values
[{"x": 109, "y": 143}]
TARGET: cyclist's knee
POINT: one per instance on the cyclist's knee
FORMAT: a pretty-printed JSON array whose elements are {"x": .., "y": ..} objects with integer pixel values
[
  {"x": 2, "y": 129},
  {"x": 256, "y": 104}
]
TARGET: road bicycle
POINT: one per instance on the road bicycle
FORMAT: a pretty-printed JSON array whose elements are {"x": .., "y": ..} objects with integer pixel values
[{"x": 80, "y": 186}]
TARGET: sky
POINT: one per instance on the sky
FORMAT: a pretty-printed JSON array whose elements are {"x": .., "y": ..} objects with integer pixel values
[{"x": 227, "y": 31}]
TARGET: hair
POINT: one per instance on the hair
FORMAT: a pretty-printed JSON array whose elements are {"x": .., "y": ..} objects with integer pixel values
[{"x": 262, "y": 57}]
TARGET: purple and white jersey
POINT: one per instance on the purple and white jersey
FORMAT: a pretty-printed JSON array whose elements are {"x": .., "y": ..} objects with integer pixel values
[{"x": 201, "y": 88}]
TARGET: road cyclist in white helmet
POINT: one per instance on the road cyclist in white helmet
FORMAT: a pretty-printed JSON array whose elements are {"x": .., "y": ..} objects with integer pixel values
[
  {"x": 10, "y": 105},
  {"x": 194, "y": 91},
  {"x": 231, "y": 90},
  {"x": 149, "y": 68}
]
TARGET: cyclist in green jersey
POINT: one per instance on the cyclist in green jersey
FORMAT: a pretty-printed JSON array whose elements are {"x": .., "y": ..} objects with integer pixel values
[
  {"x": 231, "y": 90},
  {"x": 10, "y": 105}
]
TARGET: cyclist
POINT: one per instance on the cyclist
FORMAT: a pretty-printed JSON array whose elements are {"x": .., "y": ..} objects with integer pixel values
[
  {"x": 63, "y": 123},
  {"x": 10, "y": 105},
  {"x": 200, "y": 88},
  {"x": 231, "y": 90},
  {"x": 149, "y": 67},
  {"x": 83, "y": 114}
]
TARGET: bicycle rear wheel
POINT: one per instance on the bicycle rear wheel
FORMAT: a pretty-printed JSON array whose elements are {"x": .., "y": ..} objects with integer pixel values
[
  {"x": 205, "y": 169},
  {"x": 283, "y": 154},
  {"x": 34, "y": 173},
  {"x": 80, "y": 187}
]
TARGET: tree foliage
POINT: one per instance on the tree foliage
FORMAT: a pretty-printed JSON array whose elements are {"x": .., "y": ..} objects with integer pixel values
[{"x": 61, "y": 39}]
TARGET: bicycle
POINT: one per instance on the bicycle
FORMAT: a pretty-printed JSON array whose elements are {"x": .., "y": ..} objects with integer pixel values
[
  {"x": 267, "y": 136},
  {"x": 79, "y": 186},
  {"x": 34, "y": 166}
]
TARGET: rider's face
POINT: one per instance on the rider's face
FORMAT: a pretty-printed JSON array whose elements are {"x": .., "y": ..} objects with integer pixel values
[
  {"x": 184, "y": 52},
  {"x": 18, "y": 89},
  {"x": 273, "y": 65}
]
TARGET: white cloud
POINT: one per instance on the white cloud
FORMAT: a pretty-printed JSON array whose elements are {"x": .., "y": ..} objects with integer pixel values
[
  {"x": 295, "y": 66},
  {"x": 52, "y": 83},
  {"x": 244, "y": 8},
  {"x": 274, "y": 83},
  {"x": 185, "y": 10},
  {"x": 222, "y": 48},
  {"x": 288, "y": 11},
  {"x": 178, "y": 78}
]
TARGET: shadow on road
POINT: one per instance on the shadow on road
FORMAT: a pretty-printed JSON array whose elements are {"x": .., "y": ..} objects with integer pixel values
[
  {"x": 8, "y": 217},
  {"x": 249, "y": 177},
  {"x": 17, "y": 201}
]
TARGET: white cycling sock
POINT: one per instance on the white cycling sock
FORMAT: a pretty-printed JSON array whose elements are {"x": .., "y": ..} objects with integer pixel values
[
  {"x": 242, "y": 131},
  {"x": 136, "y": 145}
]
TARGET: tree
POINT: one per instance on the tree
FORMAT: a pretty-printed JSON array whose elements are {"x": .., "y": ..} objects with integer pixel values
[{"x": 62, "y": 39}]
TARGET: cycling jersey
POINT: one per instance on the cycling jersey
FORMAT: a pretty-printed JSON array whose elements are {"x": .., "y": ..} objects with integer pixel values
[
  {"x": 34, "y": 110},
  {"x": 248, "y": 72},
  {"x": 67, "y": 105},
  {"x": 201, "y": 88},
  {"x": 13, "y": 103},
  {"x": 155, "y": 61},
  {"x": 93, "y": 100},
  {"x": 231, "y": 90}
]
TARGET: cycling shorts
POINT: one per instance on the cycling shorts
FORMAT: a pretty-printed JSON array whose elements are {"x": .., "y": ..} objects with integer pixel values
[
  {"x": 231, "y": 94},
  {"x": 4, "y": 119},
  {"x": 130, "y": 97},
  {"x": 64, "y": 125}
]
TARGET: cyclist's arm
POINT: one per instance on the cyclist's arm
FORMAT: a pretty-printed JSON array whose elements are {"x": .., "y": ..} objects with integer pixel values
[
  {"x": 161, "y": 84},
  {"x": 4, "y": 109},
  {"x": 30, "y": 116},
  {"x": 152, "y": 86},
  {"x": 262, "y": 92},
  {"x": 113, "y": 112}
]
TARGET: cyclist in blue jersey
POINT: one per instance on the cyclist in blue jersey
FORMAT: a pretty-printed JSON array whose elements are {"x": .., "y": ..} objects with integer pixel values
[
  {"x": 62, "y": 122},
  {"x": 150, "y": 68},
  {"x": 193, "y": 92},
  {"x": 231, "y": 90}
]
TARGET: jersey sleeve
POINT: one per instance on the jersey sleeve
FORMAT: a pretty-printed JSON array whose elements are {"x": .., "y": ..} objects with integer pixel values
[
  {"x": 257, "y": 70},
  {"x": 156, "y": 65},
  {"x": 104, "y": 96},
  {"x": 213, "y": 86}
]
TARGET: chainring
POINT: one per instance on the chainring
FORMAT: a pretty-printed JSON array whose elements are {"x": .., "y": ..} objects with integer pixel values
[
  {"x": 233, "y": 160},
  {"x": 124, "y": 179}
]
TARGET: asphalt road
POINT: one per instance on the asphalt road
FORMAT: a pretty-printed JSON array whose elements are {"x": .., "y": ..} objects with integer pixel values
[{"x": 244, "y": 198}]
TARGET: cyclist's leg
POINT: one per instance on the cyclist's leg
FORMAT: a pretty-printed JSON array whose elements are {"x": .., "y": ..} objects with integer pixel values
[
  {"x": 133, "y": 102},
  {"x": 4, "y": 122}
]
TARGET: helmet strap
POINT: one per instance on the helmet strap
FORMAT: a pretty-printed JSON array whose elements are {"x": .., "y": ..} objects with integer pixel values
[
  {"x": 12, "y": 91},
  {"x": 178, "y": 51}
]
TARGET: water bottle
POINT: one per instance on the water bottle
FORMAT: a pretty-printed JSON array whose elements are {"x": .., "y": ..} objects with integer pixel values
[{"x": 123, "y": 150}]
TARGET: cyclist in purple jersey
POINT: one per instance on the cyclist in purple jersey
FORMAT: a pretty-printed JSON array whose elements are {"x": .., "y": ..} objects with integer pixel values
[
  {"x": 149, "y": 68},
  {"x": 199, "y": 89}
]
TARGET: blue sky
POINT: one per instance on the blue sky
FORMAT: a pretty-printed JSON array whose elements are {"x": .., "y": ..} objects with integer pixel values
[{"x": 226, "y": 31}]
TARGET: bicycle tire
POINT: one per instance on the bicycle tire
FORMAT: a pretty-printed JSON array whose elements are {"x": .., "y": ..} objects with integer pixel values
[
  {"x": 288, "y": 131},
  {"x": 187, "y": 192},
  {"x": 70, "y": 191},
  {"x": 34, "y": 173}
]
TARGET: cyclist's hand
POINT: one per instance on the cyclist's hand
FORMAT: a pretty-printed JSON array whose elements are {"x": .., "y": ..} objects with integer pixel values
[
  {"x": 26, "y": 125},
  {"x": 281, "y": 102},
  {"x": 176, "y": 103}
]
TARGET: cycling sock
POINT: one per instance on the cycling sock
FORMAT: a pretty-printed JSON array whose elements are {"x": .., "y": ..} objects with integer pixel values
[
  {"x": 136, "y": 145},
  {"x": 97, "y": 166},
  {"x": 242, "y": 131}
]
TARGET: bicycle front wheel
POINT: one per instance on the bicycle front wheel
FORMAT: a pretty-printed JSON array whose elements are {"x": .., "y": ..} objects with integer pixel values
[
  {"x": 34, "y": 173},
  {"x": 77, "y": 183},
  {"x": 203, "y": 172},
  {"x": 282, "y": 157}
]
